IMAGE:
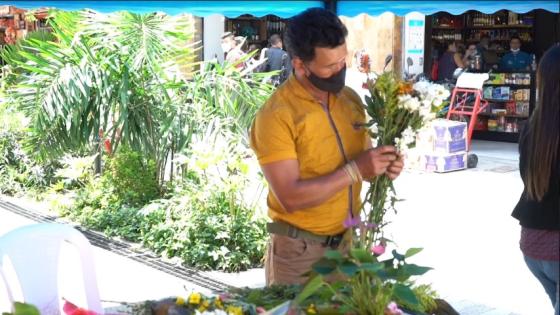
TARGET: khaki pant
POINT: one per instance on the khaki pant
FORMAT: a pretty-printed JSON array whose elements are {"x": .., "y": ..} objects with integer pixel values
[{"x": 287, "y": 259}]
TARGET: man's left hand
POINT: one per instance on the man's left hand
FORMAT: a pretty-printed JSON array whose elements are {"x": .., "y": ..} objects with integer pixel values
[{"x": 395, "y": 168}]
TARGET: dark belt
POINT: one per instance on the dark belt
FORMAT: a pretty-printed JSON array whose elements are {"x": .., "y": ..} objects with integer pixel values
[{"x": 285, "y": 229}]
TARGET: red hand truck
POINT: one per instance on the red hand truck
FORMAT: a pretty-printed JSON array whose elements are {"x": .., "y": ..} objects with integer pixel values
[{"x": 466, "y": 103}]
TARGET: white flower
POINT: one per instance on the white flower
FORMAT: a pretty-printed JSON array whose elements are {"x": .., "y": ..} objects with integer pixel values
[
  {"x": 426, "y": 114},
  {"x": 374, "y": 142},
  {"x": 374, "y": 129},
  {"x": 421, "y": 87},
  {"x": 437, "y": 101},
  {"x": 408, "y": 102},
  {"x": 408, "y": 136}
]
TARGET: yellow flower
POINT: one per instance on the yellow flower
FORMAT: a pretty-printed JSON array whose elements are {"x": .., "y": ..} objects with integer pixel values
[
  {"x": 204, "y": 306},
  {"x": 180, "y": 301},
  {"x": 194, "y": 298},
  {"x": 234, "y": 310},
  {"x": 311, "y": 309},
  {"x": 218, "y": 303}
]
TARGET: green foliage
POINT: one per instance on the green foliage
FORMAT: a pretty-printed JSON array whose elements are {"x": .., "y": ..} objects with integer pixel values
[
  {"x": 23, "y": 309},
  {"x": 426, "y": 297},
  {"x": 231, "y": 95},
  {"x": 18, "y": 172},
  {"x": 267, "y": 297},
  {"x": 369, "y": 284},
  {"x": 132, "y": 177},
  {"x": 207, "y": 230},
  {"x": 120, "y": 73}
]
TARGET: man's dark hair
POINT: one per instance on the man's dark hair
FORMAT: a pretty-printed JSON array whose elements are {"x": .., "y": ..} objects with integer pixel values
[
  {"x": 515, "y": 37},
  {"x": 274, "y": 39},
  {"x": 485, "y": 36},
  {"x": 312, "y": 28}
]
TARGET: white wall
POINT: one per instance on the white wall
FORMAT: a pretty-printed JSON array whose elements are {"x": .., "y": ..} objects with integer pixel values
[{"x": 214, "y": 27}]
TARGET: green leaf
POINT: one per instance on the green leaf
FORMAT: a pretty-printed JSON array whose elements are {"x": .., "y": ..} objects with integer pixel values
[
  {"x": 324, "y": 266},
  {"x": 334, "y": 255},
  {"x": 372, "y": 267},
  {"x": 412, "y": 251},
  {"x": 362, "y": 255},
  {"x": 24, "y": 309},
  {"x": 349, "y": 268},
  {"x": 310, "y": 288},
  {"x": 404, "y": 293},
  {"x": 415, "y": 270}
]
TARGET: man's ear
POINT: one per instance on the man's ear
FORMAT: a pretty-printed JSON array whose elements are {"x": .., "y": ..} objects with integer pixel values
[{"x": 298, "y": 65}]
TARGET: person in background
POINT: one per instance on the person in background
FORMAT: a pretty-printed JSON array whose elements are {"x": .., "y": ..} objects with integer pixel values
[
  {"x": 311, "y": 153},
  {"x": 278, "y": 60},
  {"x": 490, "y": 57},
  {"x": 257, "y": 62},
  {"x": 516, "y": 59},
  {"x": 538, "y": 209},
  {"x": 232, "y": 49},
  {"x": 451, "y": 59},
  {"x": 470, "y": 56}
]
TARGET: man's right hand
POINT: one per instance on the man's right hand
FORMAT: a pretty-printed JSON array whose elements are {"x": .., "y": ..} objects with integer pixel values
[{"x": 374, "y": 162}]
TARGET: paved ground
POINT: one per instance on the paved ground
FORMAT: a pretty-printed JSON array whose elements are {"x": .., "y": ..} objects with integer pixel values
[{"x": 461, "y": 219}]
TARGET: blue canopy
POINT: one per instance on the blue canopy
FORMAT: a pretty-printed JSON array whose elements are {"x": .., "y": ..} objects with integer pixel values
[
  {"x": 259, "y": 8},
  {"x": 352, "y": 7}
]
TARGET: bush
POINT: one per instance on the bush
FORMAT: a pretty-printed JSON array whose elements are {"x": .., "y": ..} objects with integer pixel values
[
  {"x": 132, "y": 177},
  {"x": 18, "y": 172},
  {"x": 206, "y": 229}
]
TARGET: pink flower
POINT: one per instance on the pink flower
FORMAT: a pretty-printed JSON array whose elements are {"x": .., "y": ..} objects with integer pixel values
[
  {"x": 351, "y": 222},
  {"x": 393, "y": 309},
  {"x": 378, "y": 249},
  {"x": 369, "y": 226}
]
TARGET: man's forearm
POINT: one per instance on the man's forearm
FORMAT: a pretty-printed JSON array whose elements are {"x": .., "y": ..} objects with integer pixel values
[{"x": 307, "y": 193}]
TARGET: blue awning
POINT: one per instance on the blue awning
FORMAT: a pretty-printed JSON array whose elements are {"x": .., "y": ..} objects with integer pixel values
[
  {"x": 228, "y": 8},
  {"x": 352, "y": 8}
]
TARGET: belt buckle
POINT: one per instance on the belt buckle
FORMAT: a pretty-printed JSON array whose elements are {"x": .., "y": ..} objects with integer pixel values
[{"x": 333, "y": 241}]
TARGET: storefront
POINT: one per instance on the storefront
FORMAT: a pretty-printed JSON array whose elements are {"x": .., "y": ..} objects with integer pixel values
[{"x": 426, "y": 29}]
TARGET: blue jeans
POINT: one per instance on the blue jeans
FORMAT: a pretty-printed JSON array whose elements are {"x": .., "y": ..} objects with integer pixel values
[{"x": 547, "y": 273}]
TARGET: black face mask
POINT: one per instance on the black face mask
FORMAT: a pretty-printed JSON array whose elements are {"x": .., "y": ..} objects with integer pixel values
[{"x": 333, "y": 84}]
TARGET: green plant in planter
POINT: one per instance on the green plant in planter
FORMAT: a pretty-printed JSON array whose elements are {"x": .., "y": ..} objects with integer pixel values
[{"x": 368, "y": 285}]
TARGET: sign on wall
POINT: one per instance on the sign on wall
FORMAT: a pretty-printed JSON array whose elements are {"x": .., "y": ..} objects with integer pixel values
[{"x": 414, "y": 28}]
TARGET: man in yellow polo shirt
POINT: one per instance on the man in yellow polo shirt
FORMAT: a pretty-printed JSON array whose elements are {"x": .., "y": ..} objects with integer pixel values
[{"x": 313, "y": 150}]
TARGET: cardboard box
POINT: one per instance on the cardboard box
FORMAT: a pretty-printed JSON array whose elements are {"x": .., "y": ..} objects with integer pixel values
[
  {"x": 442, "y": 163},
  {"x": 449, "y": 136}
]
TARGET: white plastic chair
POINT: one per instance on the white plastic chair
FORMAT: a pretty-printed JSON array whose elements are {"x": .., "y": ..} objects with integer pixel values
[{"x": 33, "y": 251}]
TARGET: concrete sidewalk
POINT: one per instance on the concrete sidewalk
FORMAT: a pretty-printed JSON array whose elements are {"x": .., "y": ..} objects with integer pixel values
[{"x": 461, "y": 219}]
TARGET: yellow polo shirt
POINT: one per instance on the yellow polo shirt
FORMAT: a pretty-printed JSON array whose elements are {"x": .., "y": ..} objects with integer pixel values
[{"x": 294, "y": 125}]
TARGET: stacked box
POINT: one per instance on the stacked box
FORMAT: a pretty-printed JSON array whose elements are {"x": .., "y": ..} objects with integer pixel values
[
  {"x": 441, "y": 147},
  {"x": 450, "y": 147},
  {"x": 442, "y": 163},
  {"x": 449, "y": 136}
]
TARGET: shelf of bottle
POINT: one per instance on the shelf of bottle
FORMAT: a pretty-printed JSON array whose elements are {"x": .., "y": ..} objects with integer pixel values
[
  {"x": 504, "y": 101},
  {"x": 448, "y": 28},
  {"x": 497, "y": 40},
  {"x": 521, "y": 86},
  {"x": 506, "y": 115},
  {"x": 499, "y": 27}
]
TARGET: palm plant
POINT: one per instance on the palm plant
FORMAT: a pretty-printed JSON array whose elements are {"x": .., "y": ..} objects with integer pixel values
[
  {"x": 231, "y": 95},
  {"x": 120, "y": 74}
]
